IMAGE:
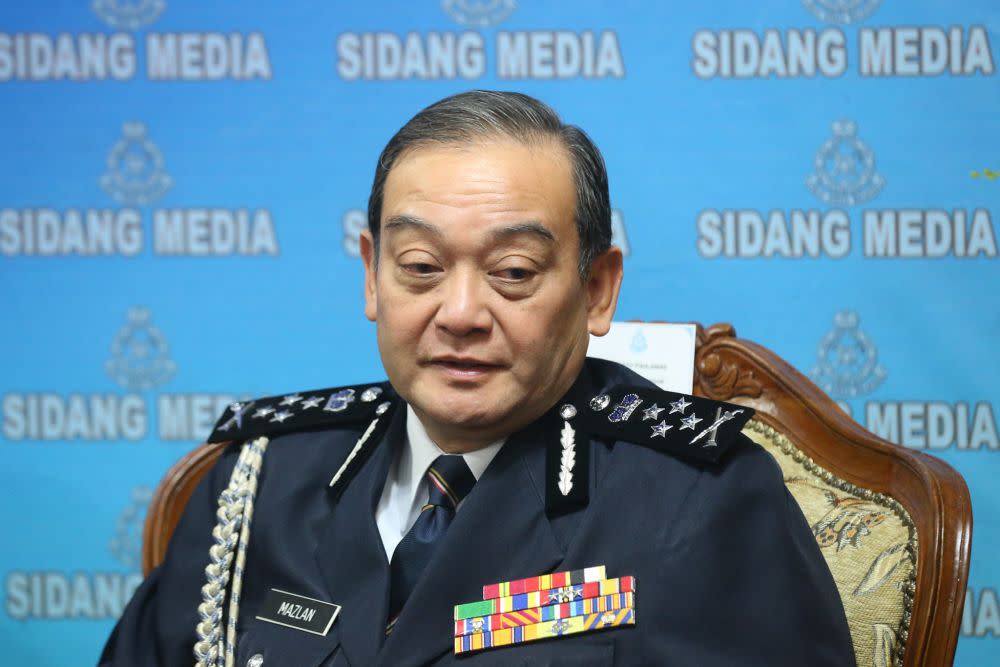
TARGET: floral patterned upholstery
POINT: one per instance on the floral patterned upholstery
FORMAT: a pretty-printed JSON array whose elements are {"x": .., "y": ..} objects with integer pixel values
[{"x": 870, "y": 544}]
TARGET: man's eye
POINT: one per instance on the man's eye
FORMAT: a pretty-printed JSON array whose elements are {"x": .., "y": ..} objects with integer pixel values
[
  {"x": 515, "y": 273},
  {"x": 420, "y": 268}
]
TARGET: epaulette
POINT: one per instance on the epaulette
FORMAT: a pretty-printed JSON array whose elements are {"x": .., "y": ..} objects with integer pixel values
[
  {"x": 689, "y": 427},
  {"x": 301, "y": 411},
  {"x": 693, "y": 428}
]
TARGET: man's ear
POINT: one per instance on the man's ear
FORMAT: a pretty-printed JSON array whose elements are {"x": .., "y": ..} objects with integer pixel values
[
  {"x": 603, "y": 285},
  {"x": 368, "y": 255}
]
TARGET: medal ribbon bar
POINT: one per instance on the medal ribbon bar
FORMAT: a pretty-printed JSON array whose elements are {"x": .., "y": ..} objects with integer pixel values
[
  {"x": 543, "y": 582},
  {"x": 553, "y": 612},
  {"x": 545, "y": 630},
  {"x": 541, "y": 598}
]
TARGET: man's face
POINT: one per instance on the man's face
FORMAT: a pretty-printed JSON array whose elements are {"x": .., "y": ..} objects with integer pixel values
[{"x": 481, "y": 313}]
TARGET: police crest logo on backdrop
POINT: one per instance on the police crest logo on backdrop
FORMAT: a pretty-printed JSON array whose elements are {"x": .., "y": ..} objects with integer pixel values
[
  {"x": 845, "y": 168},
  {"x": 479, "y": 13},
  {"x": 135, "y": 172},
  {"x": 128, "y": 14},
  {"x": 841, "y": 11},
  {"x": 126, "y": 545},
  {"x": 140, "y": 357},
  {"x": 847, "y": 359}
]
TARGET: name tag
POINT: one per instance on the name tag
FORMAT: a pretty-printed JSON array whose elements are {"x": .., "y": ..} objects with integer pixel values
[{"x": 298, "y": 612}]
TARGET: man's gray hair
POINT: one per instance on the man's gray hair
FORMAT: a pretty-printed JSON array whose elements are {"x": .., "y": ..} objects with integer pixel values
[{"x": 485, "y": 114}]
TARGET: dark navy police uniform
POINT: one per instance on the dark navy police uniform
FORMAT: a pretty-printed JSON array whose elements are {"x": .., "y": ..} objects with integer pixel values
[{"x": 727, "y": 570}]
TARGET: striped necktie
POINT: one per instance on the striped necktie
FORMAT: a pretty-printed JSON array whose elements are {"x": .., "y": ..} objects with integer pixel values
[{"x": 448, "y": 480}]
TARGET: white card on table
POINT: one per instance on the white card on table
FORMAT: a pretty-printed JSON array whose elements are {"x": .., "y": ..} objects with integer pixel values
[{"x": 662, "y": 352}]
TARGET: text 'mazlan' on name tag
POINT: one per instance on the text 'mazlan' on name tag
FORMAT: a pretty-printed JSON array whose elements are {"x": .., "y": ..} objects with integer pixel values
[{"x": 298, "y": 612}]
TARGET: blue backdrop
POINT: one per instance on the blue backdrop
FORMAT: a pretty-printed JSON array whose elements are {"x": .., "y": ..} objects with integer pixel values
[{"x": 183, "y": 183}]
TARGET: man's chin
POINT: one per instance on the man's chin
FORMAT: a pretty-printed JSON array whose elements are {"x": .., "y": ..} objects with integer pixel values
[
  {"x": 458, "y": 417},
  {"x": 474, "y": 417},
  {"x": 457, "y": 409}
]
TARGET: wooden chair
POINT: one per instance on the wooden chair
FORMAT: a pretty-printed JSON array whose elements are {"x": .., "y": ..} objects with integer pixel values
[{"x": 894, "y": 524}]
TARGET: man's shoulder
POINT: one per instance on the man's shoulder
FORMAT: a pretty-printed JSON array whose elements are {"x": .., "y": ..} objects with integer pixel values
[
  {"x": 621, "y": 405},
  {"x": 316, "y": 409}
]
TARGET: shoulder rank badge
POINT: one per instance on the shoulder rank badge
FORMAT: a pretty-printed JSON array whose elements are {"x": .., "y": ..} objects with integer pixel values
[
  {"x": 689, "y": 427},
  {"x": 308, "y": 410}
]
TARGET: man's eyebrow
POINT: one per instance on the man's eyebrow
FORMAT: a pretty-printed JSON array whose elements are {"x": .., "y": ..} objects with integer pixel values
[
  {"x": 531, "y": 228},
  {"x": 404, "y": 221}
]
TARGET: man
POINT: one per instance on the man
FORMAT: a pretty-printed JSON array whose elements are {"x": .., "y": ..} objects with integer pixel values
[{"x": 354, "y": 520}]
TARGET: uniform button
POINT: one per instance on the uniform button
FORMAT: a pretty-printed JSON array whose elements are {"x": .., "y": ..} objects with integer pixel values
[{"x": 255, "y": 661}]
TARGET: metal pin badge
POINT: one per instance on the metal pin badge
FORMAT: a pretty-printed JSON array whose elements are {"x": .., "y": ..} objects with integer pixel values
[
  {"x": 370, "y": 394},
  {"x": 598, "y": 403},
  {"x": 625, "y": 408}
]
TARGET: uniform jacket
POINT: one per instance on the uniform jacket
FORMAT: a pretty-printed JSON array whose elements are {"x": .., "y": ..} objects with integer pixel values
[{"x": 727, "y": 570}]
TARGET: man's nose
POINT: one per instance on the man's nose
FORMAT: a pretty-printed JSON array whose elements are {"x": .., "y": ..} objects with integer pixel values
[{"x": 463, "y": 309}]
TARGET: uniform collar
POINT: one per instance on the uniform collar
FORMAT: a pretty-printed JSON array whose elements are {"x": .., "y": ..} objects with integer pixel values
[{"x": 417, "y": 458}]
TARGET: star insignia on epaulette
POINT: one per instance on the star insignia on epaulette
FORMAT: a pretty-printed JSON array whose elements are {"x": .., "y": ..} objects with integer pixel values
[
  {"x": 680, "y": 405},
  {"x": 652, "y": 412},
  {"x": 280, "y": 417},
  {"x": 661, "y": 429},
  {"x": 690, "y": 421},
  {"x": 312, "y": 402},
  {"x": 290, "y": 400}
]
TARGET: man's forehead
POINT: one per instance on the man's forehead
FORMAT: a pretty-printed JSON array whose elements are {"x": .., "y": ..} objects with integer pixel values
[
  {"x": 498, "y": 179},
  {"x": 496, "y": 233}
]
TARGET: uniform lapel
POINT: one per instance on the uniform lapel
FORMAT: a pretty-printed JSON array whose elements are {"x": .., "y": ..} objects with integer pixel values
[
  {"x": 501, "y": 532},
  {"x": 350, "y": 554}
]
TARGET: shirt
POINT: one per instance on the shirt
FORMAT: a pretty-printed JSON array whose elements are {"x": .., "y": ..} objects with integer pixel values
[{"x": 405, "y": 491}]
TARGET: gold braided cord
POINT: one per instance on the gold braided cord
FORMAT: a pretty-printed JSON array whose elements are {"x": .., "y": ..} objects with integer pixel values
[
  {"x": 232, "y": 535},
  {"x": 255, "y": 459},
  {"x": 231, "y": 531}
]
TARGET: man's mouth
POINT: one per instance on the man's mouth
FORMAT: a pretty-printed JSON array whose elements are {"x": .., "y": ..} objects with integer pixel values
[{"x": 464, "y": 367}]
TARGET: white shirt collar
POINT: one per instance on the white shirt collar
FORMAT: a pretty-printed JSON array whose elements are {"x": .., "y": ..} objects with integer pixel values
[
  {"x": 405, "y": 490},
  {"x": 416, "y": 458}
]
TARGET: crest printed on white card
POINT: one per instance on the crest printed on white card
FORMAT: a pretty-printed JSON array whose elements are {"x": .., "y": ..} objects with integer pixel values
[{"x": 662, "y": 352}]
